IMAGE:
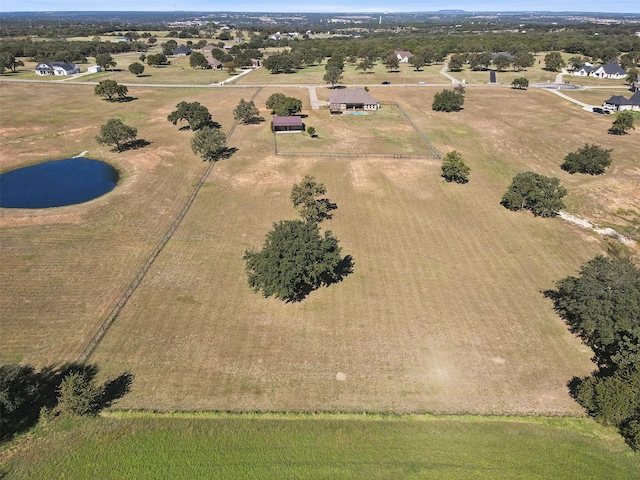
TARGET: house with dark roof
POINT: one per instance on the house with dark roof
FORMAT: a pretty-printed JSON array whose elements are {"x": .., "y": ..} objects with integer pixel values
[
  {"x": 181, "y": 51},
  {"x": 287, "y": 124},
  {"x": 583, "y": 71},
  {"x": 57, "y": 68},
  {"x": 609, "y": 70},
  {"x": 403, "y": 55},
  {"x": 352, "y": 99},
  {"x": 618, "y": 103},
  {"x": 214, "y": 63}
]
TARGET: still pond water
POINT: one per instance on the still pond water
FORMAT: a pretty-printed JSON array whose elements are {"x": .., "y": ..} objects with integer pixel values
[{"x": 56, "y": 183}]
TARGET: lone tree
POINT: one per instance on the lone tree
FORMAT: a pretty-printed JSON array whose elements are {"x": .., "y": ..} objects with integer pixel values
[
  {"x": 106, "y": 61},
  {"x": 196, "y": 115},
  {"x": 622, "y": 124},
  {"x": 333, "y": 75},
  {"x": 553, "y": 61},
  {"x": 294, "y": 261},
  {"x": 136, "y": 68},
  {"x": 312, "y": 132},
  {"x": 448, "y": 101},
  {"x": 391, "y": 63},
  {"x": 79, "y": 395},
  {"x": 110, "y": 90},
  {"x": 209, "y": 143},
  {"x": 283, "y": 106},
  {"x": 246, "y": 112},
  {"x": 304, "y": 197},
  {"x": 455, "y": 62},
  {"x": 8, "y": 61},
  {"x": 365, "y": 64},
  {"x": 590, "y": 159},
  {"x": 502, "y": 62},
  {"x": 454, "y": 169},
  {"x": 116, "y": 133},
  {"x": 520, "y": 83},
  {"x": 537, "y": 193}
]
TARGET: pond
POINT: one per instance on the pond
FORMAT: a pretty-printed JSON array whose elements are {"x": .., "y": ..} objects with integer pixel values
[{"x": 56, "y": 183}]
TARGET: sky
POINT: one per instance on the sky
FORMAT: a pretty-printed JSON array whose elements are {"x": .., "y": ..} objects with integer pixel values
[{"x": 617, "y": 6}]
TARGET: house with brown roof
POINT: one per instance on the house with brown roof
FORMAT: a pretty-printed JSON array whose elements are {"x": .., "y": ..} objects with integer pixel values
[
  {"x": 287, "y": 124},
  {"x": 352, "y": 99},
  {"x": 403, "y": 55},
  {"x": 214, "y": 63},
  {"x": 208, "y": 48}
]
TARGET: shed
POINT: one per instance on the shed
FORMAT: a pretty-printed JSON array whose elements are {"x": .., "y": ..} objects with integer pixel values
[
  {"x": 287, "y": 124},
  {"x": 94, "y": 69}
]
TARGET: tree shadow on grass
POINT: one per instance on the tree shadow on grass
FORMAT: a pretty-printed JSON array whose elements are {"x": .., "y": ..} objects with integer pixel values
[
  {"x": 341, "y": 270},
  {"x": 132, "y": 145},
  {"x": 223, "y": 154},
  {"x": 26, "y": 392}
]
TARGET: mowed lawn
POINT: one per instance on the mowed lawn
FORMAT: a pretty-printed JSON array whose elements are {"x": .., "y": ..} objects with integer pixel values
[
  {"x": 323, "y": 447},
  {"x": 313, "y": 75},
  {"x": 64, "y": 268}
]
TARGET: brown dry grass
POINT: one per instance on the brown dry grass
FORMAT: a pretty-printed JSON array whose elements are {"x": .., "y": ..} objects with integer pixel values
[
  {"x": 443, "y": 311},
  {"x": 63, "y": 268}
]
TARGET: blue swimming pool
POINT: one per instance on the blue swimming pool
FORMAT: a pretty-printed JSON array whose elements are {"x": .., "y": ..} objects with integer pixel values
[
  {"x": 57, "y": 183},
  {"x": 358, "y": 113}
]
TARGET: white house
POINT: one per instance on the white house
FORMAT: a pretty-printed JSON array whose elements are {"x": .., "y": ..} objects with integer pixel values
[
  {"x": 403, "y": 55},
  {"x": 618, "y": 103},
  {"x": 609, "y": 70},
  {"x": 583, "y": 71},
  {"x": 57, "y": 68}
]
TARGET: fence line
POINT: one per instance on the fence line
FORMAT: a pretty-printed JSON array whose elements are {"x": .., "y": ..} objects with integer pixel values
[
  {"x": 122, "y": 301},
  {"x": 434, "y": 155}
]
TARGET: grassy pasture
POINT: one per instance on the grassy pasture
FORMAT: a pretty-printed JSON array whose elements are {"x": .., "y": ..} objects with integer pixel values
[
  {"x": 385, "y": 131},
  {"x": 64, "y": 268},
  {"x": 313, "y": 75},
  {"x": 325, "y": 446},
  {"x": 443, "y": 312}
]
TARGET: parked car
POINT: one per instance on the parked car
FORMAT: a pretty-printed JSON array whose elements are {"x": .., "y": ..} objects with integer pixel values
[
  {"x": 386, "y": 82},
  {"x": 421, "y": 82},
  {"x": 598, "y": 110}
]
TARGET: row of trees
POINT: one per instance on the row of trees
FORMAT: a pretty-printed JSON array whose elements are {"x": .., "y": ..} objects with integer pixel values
[{"x": 602, "y": 307}]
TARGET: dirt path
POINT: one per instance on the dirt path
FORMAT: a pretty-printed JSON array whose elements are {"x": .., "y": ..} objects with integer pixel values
[{"x": 602, "y": 231}]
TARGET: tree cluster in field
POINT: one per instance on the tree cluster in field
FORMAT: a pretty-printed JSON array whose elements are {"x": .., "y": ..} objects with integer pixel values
[
  {"x": 534, "y": 192},
  {"x": 27, "y": 395},
  {"x": 295, "y": 258},
  {"x": 208, "y": 141},
  {"x": 448, "y": 101},
  {"x": 590, "y": 159},
  {"x": 283, "y": 106},
  {"x": 9, "y": 62},
  {"x": 602, "y": 307}
]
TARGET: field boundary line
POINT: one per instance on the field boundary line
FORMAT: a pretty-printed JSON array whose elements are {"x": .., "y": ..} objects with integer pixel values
[
  {"x": 122, "y": 301},
  {"x": 432, "y": 155}
]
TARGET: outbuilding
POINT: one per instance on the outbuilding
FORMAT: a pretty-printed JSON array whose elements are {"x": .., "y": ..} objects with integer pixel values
[{"x": 287, "y": 124}]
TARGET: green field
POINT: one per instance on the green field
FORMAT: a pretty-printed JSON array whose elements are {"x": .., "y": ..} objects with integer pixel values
[{"x": 321, "y": 447}]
